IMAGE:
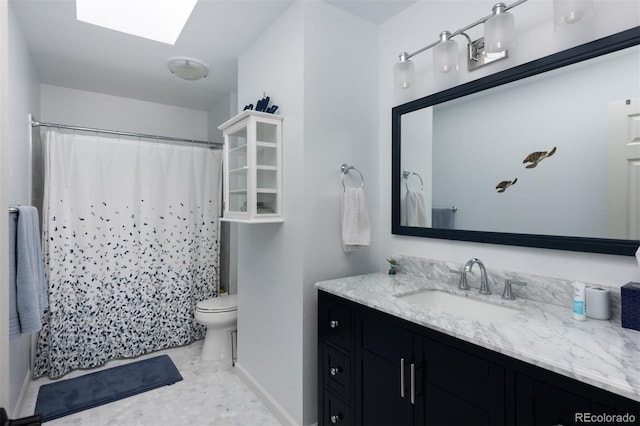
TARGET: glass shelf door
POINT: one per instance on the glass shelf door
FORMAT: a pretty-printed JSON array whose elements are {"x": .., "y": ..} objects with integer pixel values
[
  {"x": 267, "y": 164},
  {"x": 238, "y": 171}
]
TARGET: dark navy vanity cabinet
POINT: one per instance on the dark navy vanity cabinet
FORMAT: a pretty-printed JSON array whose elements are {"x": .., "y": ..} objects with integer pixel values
[{"x": 377, "y": 369}]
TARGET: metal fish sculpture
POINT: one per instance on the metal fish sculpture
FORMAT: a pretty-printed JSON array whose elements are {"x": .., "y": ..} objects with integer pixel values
[
  {"x": 535, "y": 157},
  {"x": 502, "y": 186}
]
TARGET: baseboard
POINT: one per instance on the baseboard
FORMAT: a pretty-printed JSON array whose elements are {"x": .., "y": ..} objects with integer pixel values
[
  {"x": 276, "y": 409},
  {"x": 23, "y": 391}
]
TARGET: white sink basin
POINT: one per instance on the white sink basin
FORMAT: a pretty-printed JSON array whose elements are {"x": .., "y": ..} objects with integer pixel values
[{"x": 461, "y": 305}]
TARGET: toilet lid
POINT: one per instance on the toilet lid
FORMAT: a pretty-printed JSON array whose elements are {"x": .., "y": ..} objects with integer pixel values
[{"x": 225, "y": 303}]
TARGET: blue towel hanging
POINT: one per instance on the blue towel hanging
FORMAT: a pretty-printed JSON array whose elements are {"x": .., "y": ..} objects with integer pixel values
[{"x": 27, "y": 284}]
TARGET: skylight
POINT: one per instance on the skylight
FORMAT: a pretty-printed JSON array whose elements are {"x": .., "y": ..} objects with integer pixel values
[{"x": 159, "y": 20}]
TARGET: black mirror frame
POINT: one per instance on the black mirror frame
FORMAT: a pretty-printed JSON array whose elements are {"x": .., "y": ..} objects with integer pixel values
[{"x": 580, "y": 53}]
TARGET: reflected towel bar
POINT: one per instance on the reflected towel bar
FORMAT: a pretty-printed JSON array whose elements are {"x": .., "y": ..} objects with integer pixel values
[
  {"x": 452, "y": 208},
  {"x": 406, "y": 174}
]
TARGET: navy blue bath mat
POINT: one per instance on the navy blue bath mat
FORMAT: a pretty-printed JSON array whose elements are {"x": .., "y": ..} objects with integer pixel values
[{"x": 80, "y": 393}]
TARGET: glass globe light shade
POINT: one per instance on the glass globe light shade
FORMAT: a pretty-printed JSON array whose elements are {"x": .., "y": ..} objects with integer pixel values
[
  {"x": 499, "y": 31},
  {"x": 404, "y": 72},
  {"x": 445, "y": 56}
]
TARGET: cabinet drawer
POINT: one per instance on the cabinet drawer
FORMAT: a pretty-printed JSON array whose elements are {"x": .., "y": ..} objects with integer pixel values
[
  {"x": 334, "y": 323},
  {"x": 337, "y": 371},
  {"x": 336, "y": 411}
]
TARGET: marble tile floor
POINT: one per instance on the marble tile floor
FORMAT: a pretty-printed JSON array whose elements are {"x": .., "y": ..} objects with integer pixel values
[{"x": 210, "y": 394}]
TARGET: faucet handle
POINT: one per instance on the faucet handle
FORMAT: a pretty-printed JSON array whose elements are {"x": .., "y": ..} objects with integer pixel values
[{"x": 507, "y": 294}]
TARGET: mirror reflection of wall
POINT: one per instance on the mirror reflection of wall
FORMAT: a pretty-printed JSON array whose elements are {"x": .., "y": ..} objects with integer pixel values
[
  {"x": 417, "y": 161},
  {"x": 480, "y": 140}
]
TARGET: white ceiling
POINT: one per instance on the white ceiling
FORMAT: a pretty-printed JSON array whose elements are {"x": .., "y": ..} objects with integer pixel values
[{"x": 77, "y": 55}]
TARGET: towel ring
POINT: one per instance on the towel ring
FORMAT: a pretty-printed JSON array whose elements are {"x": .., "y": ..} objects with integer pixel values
[
  {"x": 345, "y": 169},
  {"x": 406, "y": 174}
]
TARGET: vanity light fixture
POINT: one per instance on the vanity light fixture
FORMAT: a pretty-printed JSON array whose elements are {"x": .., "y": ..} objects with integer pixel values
[
  {"x": 188, "y": 68},
  {"x": 499, "y": 37}
]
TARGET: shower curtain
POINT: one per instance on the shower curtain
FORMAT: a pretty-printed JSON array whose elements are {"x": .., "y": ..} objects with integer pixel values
[{"x": 130, "y": 240}]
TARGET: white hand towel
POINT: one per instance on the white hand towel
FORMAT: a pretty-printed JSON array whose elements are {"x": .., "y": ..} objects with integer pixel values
[
  {"x": 355, "y": 220},
  {"x": 414, "y": 212}
]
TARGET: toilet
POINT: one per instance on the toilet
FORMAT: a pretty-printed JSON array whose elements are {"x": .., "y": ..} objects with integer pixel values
[{"x": 219, "y": 315}]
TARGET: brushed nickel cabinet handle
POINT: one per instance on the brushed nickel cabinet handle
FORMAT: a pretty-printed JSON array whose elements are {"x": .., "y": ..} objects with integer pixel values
[
  {"x": 413, "y": 383},
  {"x": 333, "y": 323},
  {"x": 401, "y": 377},
  {"x": 336, "y": 418},
  {"x": 335, "y": 371}
]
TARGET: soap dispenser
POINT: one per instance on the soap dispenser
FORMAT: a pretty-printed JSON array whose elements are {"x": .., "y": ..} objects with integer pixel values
[{"x": 579, "y": 308}]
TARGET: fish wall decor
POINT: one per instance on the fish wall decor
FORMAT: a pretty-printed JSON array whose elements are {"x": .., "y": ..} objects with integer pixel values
[
  {"x": 502, "y": 186},
  {"x": 535, "y": 157}
]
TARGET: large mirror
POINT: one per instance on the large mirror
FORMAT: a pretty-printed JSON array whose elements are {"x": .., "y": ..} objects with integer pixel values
[{"x": 546, "y": 154}]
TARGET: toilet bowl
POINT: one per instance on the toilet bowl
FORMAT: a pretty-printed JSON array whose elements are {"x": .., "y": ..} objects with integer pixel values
[{"x": 219, "y": 315}]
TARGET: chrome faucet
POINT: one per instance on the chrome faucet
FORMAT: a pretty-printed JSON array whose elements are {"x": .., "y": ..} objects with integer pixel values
[{"x": 484, "y": 282}]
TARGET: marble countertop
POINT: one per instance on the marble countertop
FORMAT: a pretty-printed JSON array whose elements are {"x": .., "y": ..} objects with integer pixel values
[{"x": 600, "y": 353}]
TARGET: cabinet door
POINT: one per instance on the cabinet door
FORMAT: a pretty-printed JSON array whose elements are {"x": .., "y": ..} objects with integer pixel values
[
  {"x": 268, "y": 172},
  {"x": 460, "y": 388},
  {"x": 384, "y": 383},
  {"x": 539, "y": 402},
  {"x": 237, "y": 167}
]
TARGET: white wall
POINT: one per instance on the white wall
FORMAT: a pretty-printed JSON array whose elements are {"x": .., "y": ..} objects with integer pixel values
[
  {"x": 419, "y": 25},
  {"x": 325, "y": 84},
  {"x": 97, "y": 110},
  {"x": 270, "y": 256},
  {"x": 226, "y": 108},
  {"x": 23, "y": 99},
  {"x": 339, "y": 127}
]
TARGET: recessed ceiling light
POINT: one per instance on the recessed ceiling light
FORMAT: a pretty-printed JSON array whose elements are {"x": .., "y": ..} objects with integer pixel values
[
  {"x": 188, "y": 68},
  {"x": 159, "y": 20}
]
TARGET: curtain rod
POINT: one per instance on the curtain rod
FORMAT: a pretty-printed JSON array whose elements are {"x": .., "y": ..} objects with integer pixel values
[{"x": 119, "y": 133}]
